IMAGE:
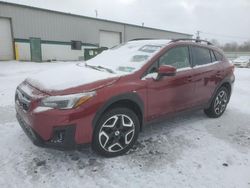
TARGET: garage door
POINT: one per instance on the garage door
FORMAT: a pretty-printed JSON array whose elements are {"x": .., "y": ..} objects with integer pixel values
[
  {"x": 6, "y": 46},
  {"x": 109, "y": 38}
]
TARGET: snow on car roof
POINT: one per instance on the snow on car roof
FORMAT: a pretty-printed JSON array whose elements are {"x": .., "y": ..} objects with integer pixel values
[{"x": 150, "y": 42}]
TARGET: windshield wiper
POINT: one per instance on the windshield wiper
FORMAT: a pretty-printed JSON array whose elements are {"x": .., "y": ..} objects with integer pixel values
[
  {"x": 100, "y": 68},
  {"x": 104, "y": 68}
]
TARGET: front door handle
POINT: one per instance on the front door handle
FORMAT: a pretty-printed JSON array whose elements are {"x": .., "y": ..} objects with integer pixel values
[{"x": 218, "y": 74}]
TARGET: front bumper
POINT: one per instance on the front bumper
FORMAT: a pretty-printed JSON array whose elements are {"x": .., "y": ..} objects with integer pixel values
[
  {"x": 62, "y": 129},
  {"x": 62, "y": 139}
]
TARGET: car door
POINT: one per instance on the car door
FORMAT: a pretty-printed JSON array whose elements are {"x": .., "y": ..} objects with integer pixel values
[
  {"x": 170, "y": 93},
  {"x": 206, "y": 74}
]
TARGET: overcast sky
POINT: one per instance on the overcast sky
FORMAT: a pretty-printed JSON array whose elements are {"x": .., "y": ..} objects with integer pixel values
[{"x": 225, "y": 20}]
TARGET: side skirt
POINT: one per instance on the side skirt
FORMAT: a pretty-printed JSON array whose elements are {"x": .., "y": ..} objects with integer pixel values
[{"x": 174, "y": 114}]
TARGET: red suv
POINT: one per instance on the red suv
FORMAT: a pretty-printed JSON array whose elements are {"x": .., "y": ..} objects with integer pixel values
[{"x": 107, "y": 100}]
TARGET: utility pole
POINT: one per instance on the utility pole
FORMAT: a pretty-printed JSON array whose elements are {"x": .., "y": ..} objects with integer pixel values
[
  {"x": 142, "y": 24},
  {"x": 198, "y": 35},
  {"x": 96, "y": 13}
]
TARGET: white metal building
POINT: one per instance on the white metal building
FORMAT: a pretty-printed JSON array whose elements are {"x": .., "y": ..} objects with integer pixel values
[{"x": 29, "y": 33}]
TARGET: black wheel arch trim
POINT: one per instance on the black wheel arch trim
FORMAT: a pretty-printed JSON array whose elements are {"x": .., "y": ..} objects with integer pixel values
[
  {"x": 131, "y": 96},
  {"x": 225, "y": 81}
]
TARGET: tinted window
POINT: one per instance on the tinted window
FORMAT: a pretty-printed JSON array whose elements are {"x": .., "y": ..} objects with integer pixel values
[
  {"x": 212, "y": 56},
  {"x": 218, "y": 56},
  {"x": 201, "y": 56},
  {"x": 177, "y": 57}
]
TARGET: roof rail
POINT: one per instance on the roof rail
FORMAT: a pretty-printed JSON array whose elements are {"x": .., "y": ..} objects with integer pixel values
[{"x": 195, "y": 40}]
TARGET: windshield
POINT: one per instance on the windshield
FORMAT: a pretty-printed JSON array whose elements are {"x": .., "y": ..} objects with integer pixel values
[{"x": 127, "y": 57}]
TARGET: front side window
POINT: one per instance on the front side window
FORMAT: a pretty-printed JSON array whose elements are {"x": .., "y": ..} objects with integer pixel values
[
  {"x": 177, "y": 57},
  {"x": 201, "y": 56}
]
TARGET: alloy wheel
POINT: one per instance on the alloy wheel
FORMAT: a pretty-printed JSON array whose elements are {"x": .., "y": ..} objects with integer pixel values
[
  {"x": 220, "y": 102},
  {"x": 116, "y": 133}
]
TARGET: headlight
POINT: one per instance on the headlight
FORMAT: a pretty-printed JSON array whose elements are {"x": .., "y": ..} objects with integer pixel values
[{"x": 67, "y": 101}]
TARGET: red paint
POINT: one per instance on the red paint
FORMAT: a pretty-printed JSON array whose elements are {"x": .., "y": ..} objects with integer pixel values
[{"x": 170, "y": 94}]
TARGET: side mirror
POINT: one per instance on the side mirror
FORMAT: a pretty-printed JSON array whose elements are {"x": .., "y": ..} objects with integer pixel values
[{"x": 166, "y": 70}]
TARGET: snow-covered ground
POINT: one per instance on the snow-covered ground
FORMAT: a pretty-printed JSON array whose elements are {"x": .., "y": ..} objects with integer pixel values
[{"x": 188, "y": 151}]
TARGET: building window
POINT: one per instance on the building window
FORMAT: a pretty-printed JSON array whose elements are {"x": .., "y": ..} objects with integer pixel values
[{"x": 76, "y": 45}]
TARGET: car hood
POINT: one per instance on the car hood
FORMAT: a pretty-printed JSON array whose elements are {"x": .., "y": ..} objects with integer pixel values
[
  {"x": 71, "y": 79},
  {"x": 241, "y": 61}
]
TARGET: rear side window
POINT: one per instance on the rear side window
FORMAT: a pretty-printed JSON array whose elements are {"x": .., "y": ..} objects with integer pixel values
[
  {"x": 218, "y": 56},
  {"x": 201, "y": 56},
  {"x": 177, "y": 57}
]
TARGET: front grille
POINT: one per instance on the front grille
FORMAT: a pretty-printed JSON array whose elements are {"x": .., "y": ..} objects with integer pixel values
[{"x": 22, "y": 99}]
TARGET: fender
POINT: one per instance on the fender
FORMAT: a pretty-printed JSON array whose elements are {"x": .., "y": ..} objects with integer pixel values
[{"x": 132, "y": 96}]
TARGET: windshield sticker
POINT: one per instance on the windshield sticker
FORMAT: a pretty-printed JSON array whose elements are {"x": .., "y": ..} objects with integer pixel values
[
  {"x": 149, "y": 48},
  {"x": 139, "y": 58},
  {"x": 126, "y": 69}
]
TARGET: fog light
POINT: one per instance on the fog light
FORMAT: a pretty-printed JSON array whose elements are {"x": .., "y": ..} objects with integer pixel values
[{"x": 58, "y": 137}]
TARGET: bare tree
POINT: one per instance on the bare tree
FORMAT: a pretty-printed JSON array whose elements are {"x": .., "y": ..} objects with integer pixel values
[
  {"x": 232, "y": 46},
  {"x": 215, "y": 42}
]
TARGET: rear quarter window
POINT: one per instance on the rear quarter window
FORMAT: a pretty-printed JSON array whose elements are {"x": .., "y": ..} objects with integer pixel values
[
  {"x": 201, "y": 56},
  {"x": 219, "y": 57}
]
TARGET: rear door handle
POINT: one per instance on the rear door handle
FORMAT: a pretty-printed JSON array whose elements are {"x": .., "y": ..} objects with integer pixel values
[{"x": 189, "y": 78}]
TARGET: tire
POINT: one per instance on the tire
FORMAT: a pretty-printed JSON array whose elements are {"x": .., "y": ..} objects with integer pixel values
[
  {"x": 218, "y": 104},
  {"x": 115, "y": 132}
]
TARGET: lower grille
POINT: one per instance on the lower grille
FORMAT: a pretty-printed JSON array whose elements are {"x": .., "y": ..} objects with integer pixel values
[{"x": 22, "y": 99}]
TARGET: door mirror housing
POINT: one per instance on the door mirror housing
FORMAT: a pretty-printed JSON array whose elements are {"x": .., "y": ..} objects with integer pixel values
[{"x": 166, "y": 70}]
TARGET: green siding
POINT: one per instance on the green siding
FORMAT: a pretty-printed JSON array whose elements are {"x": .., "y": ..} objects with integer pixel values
[{"x": 53, "y": 42}]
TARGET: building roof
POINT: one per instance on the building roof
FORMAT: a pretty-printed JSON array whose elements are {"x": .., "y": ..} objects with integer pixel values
[{"x": 92, "y": 18}]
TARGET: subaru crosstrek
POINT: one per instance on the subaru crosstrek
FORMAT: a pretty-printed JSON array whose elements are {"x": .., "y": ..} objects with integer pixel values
[{"x": 107, "y": 100}]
